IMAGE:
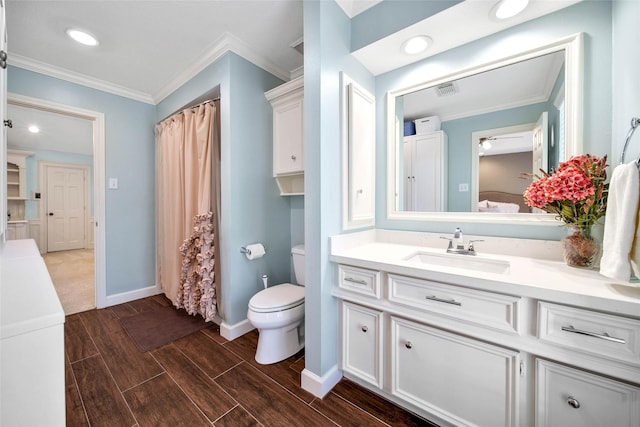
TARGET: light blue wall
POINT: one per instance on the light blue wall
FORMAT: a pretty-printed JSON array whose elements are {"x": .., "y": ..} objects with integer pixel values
[
  {"x": 459, "y": 135},
  {"x": 327, "y": 52},
  {"x": 592, "y": 18},
  {"x": 626, "y": 84},
  {"x": 129, "y": 146},
  {"x": 252, "y": 209},
  {"x": 31, "y": 208}
]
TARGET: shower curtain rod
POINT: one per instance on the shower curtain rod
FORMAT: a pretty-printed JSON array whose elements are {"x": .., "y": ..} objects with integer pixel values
[{"x": 181, "y": 111}]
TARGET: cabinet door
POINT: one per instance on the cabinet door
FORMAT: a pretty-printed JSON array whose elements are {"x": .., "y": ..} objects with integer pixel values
[
  {"x": 407, "y": 174},
  {"x": 11, "y": 232},
  {"x": 428, "y": 172},
  {"x": 287, "y": 136},
  {"x": 573, "y": 398},
  {"x": 464, "y": 381},
  {"x": 362, "y": 343}
]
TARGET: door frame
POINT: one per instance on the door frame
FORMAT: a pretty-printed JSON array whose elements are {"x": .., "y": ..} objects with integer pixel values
[
  {"x": 99, "y": 206},
  {"x": 43, "y": 180}
]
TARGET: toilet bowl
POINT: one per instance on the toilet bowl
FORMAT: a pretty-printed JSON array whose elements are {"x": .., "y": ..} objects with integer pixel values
[{"x": 278, "y": 314}]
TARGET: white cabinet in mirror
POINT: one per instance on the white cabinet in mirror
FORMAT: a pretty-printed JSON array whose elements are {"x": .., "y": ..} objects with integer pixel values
[{"x": 492, "y": 116}]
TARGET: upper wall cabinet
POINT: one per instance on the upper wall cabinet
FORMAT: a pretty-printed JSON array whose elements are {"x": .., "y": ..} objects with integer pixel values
[
  {"x": 17, "y": 174},
  {"x": 288, "y": 151},
  {"x": 358, "y": 155}
]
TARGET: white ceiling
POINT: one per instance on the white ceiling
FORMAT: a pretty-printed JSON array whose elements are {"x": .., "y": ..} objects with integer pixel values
[
  {"x": 58, "y": 132},
  {"x": 523, "y": 83},
  {"x": 149, "y": 48}
]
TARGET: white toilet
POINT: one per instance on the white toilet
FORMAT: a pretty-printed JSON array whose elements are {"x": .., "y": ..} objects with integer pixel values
[{"x": 278, "y": 314}]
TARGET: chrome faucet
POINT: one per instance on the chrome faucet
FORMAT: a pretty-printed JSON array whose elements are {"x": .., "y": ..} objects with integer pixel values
[
  {"x": 456, "y": 244},
  {"x": 458, "y": 240}
]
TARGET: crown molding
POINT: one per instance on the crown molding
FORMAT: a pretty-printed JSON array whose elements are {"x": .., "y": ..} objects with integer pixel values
[
  {"x": 226, "y": 43},
  {"x": 73, "y": 77}
]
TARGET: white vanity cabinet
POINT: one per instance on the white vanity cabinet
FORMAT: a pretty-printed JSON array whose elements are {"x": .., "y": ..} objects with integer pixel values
[
  {"x": 537, "y": 344},
  {"x": 463, "y": 381},
  {"x": 571, "y": 397},
  {"x": 425, "y": 172},
  {"x": 287, "y": 102},
  {"x": 362, "y": 343}
]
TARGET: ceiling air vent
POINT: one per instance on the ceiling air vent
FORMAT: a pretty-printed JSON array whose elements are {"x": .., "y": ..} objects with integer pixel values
[{"x": 446, "y": 89}]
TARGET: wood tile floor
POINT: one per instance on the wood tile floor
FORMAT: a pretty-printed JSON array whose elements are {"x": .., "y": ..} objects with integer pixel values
[{"x": 199, "y": 380}]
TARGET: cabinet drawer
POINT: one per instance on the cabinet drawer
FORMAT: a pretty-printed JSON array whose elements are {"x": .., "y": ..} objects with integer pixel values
[
  {"x": 362, "y": 343},
  {"x": 487, "y": 309},
  {"x": 464, "y": 381},
  {"x": 570, "y": 397},
  {"x": 360, "y": 280},
  {"x": 606, "y": 335}
]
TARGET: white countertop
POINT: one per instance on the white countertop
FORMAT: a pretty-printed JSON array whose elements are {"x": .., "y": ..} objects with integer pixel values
[
  {"x": 536, "y": 268},
  {"x": 28, "y": 300}
]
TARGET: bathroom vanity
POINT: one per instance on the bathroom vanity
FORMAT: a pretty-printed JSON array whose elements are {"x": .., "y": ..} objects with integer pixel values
[
  {"x": 508, "y": 337},
  {"x": 32, "y": 340}
]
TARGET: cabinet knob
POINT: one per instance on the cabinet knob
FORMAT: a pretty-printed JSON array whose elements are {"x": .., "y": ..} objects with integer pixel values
[
  {"x": 364, "y": 329},
  {"x": 50, "y": 213},
  {"x": 408, "y": 344},
  {"x": 572, "y": 401},
  {"x": 360, "y": 191},
  {"x": 293, "y": 157}
]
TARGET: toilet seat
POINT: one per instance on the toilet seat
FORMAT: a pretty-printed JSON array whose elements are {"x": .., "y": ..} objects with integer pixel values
[{"x": 277, "y": 298}]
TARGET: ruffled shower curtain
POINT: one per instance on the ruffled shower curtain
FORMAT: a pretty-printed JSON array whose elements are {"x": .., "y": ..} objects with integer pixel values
[{"x": 188, "y": 206}]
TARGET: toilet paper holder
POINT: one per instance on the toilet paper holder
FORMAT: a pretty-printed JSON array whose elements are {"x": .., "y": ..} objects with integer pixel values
[{"x": 244, "y": 250}]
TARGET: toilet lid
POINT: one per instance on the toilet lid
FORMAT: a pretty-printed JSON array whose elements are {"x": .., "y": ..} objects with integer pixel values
[{"x": 277, "y": 298}]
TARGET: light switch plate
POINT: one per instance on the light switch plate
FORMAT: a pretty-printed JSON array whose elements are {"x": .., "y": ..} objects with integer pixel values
[
  {"x": 113, "y": 183},
  {"x": 463, "y": 187}
]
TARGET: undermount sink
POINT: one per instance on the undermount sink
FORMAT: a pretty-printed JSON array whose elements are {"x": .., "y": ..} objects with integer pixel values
[{"x": 466, "y": 262}]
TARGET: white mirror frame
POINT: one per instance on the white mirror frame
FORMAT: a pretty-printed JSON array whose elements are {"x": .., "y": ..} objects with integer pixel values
[{"x": 573, "y": 47}]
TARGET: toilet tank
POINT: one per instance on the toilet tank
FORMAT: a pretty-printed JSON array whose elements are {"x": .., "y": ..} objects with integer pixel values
[{"x": 297, "y": 253}]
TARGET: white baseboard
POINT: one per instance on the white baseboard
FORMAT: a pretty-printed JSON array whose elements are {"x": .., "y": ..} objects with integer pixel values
[
  {"x": 320, "y": 386},
  {"x": 231, "y": 332},
  {"x": 131, "y": 295}
]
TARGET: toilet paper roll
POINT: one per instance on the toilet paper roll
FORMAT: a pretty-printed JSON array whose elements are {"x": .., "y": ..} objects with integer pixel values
[{"x": 254, "y": 251}]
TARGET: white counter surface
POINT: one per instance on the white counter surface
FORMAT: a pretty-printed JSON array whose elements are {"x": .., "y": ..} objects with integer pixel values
[
  {"x": 542, "y": 275},
  {"x": 28, "y": 300}
]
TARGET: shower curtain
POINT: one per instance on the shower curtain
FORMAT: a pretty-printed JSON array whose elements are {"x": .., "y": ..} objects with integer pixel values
[{"x": 188, "y": 207}]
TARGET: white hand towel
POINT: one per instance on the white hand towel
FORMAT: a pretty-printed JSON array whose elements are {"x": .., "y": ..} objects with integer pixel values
[{"x": 620, "y": 222}]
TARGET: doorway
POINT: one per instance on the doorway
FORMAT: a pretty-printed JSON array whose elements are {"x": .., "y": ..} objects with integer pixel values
[
  {"x": 75, "y": 232},
  {"x": 66, "y": 199}
]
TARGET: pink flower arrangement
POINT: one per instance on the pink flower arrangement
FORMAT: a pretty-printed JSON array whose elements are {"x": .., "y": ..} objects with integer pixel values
[{"x": 576, "y": 193}]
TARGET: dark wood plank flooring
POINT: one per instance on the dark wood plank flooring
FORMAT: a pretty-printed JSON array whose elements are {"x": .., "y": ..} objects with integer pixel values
[{"x": 199, "y": 380}]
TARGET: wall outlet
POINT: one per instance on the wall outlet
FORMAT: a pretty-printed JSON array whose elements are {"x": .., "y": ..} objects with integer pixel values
[{"x": 463, "y": 187}]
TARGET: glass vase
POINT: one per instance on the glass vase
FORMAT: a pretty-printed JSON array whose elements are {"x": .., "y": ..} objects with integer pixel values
[{"x": 580, "y": 249}]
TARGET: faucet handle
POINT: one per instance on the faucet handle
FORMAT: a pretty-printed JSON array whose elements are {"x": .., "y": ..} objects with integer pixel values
[{"x": 471, "y": 248}]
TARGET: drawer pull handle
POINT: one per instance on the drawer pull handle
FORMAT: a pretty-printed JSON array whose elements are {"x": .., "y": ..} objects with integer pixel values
[
  {"x": 447, "y": 301},
  {"x": 364, "y": 329},
  {"x": 358, "y": 281},
  {"x": 604, "y": 336},
  {"x": 573, "y": 402},
  {"x": 408, "y": 345}
]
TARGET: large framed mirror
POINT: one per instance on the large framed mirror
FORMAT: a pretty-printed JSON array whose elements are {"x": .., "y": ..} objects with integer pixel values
[{"x": 496, "y": 125}]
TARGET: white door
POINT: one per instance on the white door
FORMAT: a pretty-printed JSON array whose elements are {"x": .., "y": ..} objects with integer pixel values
[
  {"x": 540, "y": 145},
  {"x": 65, "y": 208}
]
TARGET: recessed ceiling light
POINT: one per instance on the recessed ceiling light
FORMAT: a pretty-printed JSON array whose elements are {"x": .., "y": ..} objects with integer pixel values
[
  {"x": 507, "y": 8},
  {"x": 34, "y": 129},
  {"x": 82, "y": 37},
  {"x": 416, "y": 45}
]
